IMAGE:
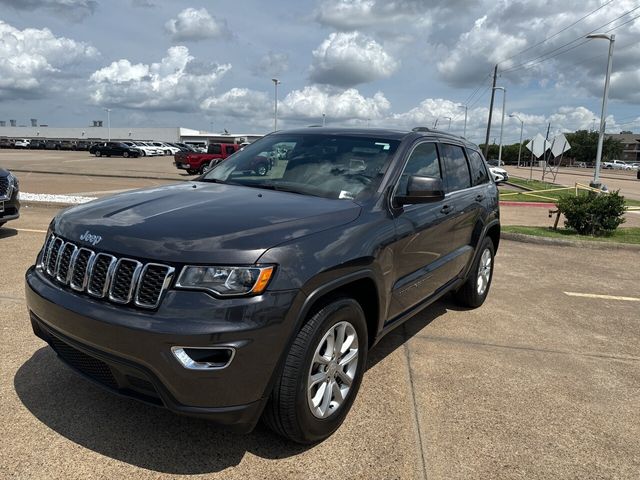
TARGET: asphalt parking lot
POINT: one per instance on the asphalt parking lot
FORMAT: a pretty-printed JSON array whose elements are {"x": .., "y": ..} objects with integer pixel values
[{"x": 543, "y": 381}]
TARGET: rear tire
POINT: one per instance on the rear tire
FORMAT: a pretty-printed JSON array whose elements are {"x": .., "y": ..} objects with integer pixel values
[
  {"x": 318, "y": 384},
  {"x": 475, "y": 290}
]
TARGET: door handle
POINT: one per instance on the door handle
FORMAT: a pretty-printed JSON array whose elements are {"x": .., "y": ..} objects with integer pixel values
[
  {"x": 446, "y": 209},
  {"x": 479, "y": 198}
]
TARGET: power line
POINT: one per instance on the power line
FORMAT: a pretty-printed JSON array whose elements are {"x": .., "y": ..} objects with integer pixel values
[
  {"x": 528, "y": 64},
  {"x": 557, "y": 33}
]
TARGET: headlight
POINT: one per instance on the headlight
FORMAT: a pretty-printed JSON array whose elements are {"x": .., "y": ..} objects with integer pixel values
[
  {"x": 226, "y": 281},
  {"x": 13, "y": 180}
]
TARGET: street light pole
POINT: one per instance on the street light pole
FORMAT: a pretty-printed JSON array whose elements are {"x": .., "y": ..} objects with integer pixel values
[
  {"x": 449, "y": 127},
  {"x": 605, "y": 96},
  {"x": 324, "y": 116},
  {"x": 276, "y": 82},
  {"x": 108, "y": 110},
  {"x": 466, "y": 108},
  {"x": 504, "y": 101},
  {"x": 513, "y": 115}
]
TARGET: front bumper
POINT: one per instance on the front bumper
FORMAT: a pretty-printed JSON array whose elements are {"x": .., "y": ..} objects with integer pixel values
[{"x": 129, "y": 351}]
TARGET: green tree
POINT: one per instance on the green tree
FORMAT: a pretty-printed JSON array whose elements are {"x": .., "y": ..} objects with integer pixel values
[{"x": 584, "y": 145}]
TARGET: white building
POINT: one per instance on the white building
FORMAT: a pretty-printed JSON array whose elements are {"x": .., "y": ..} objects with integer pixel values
[{"x": 164, "y": 134}]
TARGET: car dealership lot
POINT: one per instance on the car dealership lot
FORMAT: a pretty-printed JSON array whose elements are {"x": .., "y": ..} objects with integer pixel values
[{"x": 535, "y": 384}]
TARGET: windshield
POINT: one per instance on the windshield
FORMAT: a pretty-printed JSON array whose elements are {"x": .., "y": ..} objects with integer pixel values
[{"x": 331, "y": 166}]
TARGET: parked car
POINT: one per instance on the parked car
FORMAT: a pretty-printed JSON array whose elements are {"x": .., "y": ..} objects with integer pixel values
[
  {"x": 166, "y": 148},
  {"x": 22, "y": 143},
  {"x": 7, "y": 142},
  {"x": 115, "y": 149},
  {"x": 616, "y": 165},
  {"x": 499, "y": 174},
  {"x": 234, "y": 297},
  {"x": 197, "y": 163},
  {"x": 9, "y": 202},
  {"x": 38, "y": 144},
  {"x": 149, "y": 149}
]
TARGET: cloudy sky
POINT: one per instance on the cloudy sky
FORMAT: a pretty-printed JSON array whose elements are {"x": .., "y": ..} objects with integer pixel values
[{"x": 398, "y": 63}]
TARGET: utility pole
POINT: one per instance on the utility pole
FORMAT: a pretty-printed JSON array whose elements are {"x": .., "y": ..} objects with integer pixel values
[
  {"x": 493, "y": 93},
  {"x": 276, "y": 82}
]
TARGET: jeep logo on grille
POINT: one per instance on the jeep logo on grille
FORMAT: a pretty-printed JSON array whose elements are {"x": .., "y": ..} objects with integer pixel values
[{"x": 91, "y": 238}]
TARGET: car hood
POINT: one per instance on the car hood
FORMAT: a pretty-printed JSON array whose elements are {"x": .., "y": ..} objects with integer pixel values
[{"x": 196, "y": 222}]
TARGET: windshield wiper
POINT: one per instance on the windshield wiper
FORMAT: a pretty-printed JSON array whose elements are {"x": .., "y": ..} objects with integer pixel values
[{"x": 278, "y": 187}]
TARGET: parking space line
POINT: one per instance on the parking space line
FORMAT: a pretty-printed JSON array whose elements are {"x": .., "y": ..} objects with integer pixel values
[
  {"x": 602, "y": 297},
  {"x": 30, "y": 230}
]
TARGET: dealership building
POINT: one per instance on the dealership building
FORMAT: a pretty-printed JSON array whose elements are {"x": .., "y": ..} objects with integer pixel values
[{"x": 98, "y": 132}]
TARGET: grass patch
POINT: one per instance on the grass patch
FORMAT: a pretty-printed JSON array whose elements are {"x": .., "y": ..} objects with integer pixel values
[
  {"x": 621, "y": 235},
  {"x": 550, "y": 196}
]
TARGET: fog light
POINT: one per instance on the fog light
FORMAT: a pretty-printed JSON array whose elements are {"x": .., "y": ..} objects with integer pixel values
[{"x": 204, "y": 358}]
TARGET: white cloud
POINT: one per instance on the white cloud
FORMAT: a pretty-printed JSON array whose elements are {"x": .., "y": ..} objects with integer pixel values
[
  {"x": 239, "y": 102},
  {"x": 176, "y": 83},
  {"x": 348, "y": 59},
  {"x": 312, "y": 101},
  {"x": 194, "y": 24},
  {"x": 358, "y": 14},
  {"x": 75, "y": 9},
  {"x": 33, "y": 61}
]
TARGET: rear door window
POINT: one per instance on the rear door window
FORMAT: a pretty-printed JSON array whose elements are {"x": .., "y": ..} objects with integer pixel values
[
  {"x": 479, "y": 173},
  {"x": 457, "y": 176}
]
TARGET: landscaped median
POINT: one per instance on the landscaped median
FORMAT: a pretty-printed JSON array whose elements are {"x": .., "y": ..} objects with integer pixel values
[
  {"x": 537, "y": 191},
  {"x": 622, "y": 238}
]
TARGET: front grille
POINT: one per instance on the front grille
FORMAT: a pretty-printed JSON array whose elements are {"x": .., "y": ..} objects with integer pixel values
[
  {"x": 92, "y": 367},
  {"x": 121, "y": 280},
  {"x": 4, "y": 187}
]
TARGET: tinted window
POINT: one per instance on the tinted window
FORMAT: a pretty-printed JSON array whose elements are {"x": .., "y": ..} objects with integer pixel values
[
  {"x": 230, "y": 150},
  {"x": 423, "y": 162},
  {"x": 214, "y": 148},
  {"x": 457, "y": 176},
  {"x": 478, "y": 170}
]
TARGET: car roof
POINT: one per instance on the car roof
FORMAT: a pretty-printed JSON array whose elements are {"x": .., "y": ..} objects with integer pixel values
[{"x": 390, "y": 134}]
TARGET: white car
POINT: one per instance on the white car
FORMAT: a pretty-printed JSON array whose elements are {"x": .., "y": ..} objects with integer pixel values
[
  {"x": 23, "y": 143},
  {"x": 616, "y": 165},
  {"x": 499, "y": 174},
  {"x": 166, "y": 148},
  {"x": 148, "y": 149}
]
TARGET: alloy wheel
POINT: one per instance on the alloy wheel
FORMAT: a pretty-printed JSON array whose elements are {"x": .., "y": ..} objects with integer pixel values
[
  {"x": 484, "y": 271},
  {"x": 332, "y": 370}
]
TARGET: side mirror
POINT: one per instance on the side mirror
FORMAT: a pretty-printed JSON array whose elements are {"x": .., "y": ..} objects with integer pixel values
[{"x": 422, "y": 190}]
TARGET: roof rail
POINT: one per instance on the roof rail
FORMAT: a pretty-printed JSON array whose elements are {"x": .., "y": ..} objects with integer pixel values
[{"x": 421, "y": 129}]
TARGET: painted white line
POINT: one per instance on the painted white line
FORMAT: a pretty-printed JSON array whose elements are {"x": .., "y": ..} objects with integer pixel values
[
  {"x": 54, "y": 198},
  {"x": 603, "y": 297},
  {"x": 30, "y": 230}
]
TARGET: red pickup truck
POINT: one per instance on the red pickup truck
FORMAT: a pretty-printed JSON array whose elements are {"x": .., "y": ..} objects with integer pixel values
[{"x": 195, "y": 163}]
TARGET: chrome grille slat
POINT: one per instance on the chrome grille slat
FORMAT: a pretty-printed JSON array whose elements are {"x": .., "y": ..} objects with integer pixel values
[
  {"x": 100, "y": 272},
  {"x": 67, "y": 252},
  {"x": 154, "y": 280},
  {"x": 81, "y": 261},
  {"x": 101, "y": 275},
  {"x": 52, "y": 258},
  {"x": 125, "y": 276}
]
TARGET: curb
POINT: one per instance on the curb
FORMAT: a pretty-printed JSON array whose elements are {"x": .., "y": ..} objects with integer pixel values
[
  {"x": 31, "y": 203},
  {"x": 561, "y": 242},
  {"x": 104, "y": 175},
  {"x": 506, "y": 203}
]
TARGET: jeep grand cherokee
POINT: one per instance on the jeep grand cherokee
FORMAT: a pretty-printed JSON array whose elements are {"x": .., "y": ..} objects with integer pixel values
[{"x": 235, "y": 296}]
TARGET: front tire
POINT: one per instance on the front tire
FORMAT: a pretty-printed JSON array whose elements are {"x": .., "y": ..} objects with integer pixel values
[
  {"x": 98, "y": 153},
  {"x": 475, "y": 290},
  {"x": 262, "y": 169},
  {"x": 125, "y": 154},
  {"x": 321, "y": 374}
]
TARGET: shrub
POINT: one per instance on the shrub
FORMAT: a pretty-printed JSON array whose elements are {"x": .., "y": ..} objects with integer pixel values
[{"x": 592, "y": 214}]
